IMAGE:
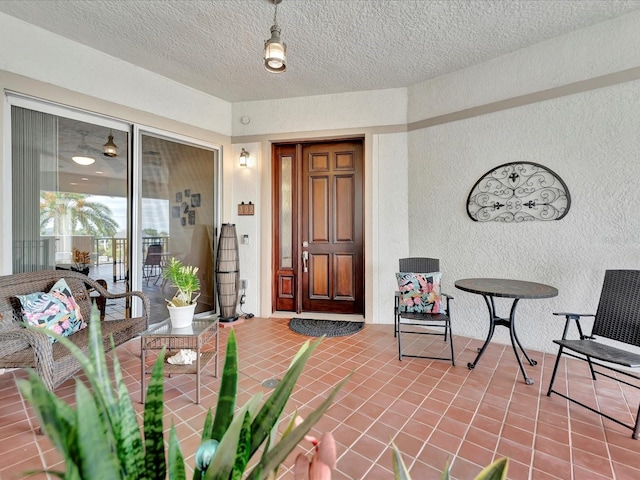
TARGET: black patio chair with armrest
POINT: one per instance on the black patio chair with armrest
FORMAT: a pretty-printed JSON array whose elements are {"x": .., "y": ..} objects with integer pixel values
[
  {"x": 411, "y": 320},
  {"x": 618, "y": 319}
]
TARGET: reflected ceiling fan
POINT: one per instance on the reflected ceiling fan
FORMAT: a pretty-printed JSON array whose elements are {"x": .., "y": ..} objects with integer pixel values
[{"x": 86, "y": 152}]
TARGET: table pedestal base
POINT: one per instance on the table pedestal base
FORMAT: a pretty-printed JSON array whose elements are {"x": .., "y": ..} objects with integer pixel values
[{"x": 515, "y": 342}]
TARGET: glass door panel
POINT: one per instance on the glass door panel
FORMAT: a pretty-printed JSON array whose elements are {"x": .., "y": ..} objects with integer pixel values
[
  {"x": 70, "y": 206},
  {"x": 178, "y": 217}
]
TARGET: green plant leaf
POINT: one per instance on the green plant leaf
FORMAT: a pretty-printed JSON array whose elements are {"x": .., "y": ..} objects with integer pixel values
[
  {"x": 126, "y": 431},
  {"x": 283, "y": 448},
  {"x": 176, "y": 460},
  {"x": 99, "y": 377},
  {"x": 206, "y": 435},
  {"x": 228, "y": 390},
  {"x": 224, "y": 459},
  {"x": 400, "y": 471},
  {"x": 242, "y": 452},
  {"x": 446, "y": 473},
  {"x": 56, "y": 418},
  {"x": 271, "y": 410},
  {"x": 496, "y": 471},
  {"x": 207, "y": 427},
  {"x": 155, "y": 463},
  {"x": 95, "y": 442}
]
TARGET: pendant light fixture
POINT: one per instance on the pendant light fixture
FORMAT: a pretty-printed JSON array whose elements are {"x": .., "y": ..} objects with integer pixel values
[
  {"x": 81, "y": 160},
  {"x": 110, "y": 149},
  {"x": 275, "y": 50}
]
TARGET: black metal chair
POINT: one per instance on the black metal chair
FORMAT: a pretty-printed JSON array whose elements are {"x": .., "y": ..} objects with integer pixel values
[
  {"x": 617, "y": 318},
  {"x": 152, "y": 266},
  {"x": 422, "y": 323}
]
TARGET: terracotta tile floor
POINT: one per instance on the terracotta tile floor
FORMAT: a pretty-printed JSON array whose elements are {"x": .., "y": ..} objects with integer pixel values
[{"x": 431, "y": 410}]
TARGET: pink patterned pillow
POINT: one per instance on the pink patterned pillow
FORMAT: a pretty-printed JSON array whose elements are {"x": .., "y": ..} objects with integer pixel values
[
  {"x": 420, "y": 292},
  {"x": 56, "y": 310}
]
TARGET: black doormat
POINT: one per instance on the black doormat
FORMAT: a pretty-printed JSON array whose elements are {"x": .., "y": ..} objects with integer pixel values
[{"x": 329, "y": 328}]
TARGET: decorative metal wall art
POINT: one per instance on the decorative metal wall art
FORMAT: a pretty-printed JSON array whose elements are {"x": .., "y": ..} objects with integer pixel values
[{"x": 518, "y": 192}]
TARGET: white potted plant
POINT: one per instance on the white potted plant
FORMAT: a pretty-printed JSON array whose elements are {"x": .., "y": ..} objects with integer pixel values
[{"x": 183, "y": 304}]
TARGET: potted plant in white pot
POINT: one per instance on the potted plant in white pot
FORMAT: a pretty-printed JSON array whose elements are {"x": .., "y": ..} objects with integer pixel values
[{"x": 183, "y": 304}]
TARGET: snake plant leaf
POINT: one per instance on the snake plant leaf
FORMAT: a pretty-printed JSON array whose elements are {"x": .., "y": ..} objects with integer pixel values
[
  {"x": 127, "y": 431},
  {"x": 272, "y": 409},
  {"x": 223, "y": 461},
  {"x": 155, "y": 464},
  {"x": 56, "y": 418},
  {"x": 95, "y": 442},
  {"x": 228, "y": 390},
  {"x": 400, "y": 471},
  {"x": 273, "y": 436},
  {"x": 176, "y": 460},
  {"x": 206, "y": 435},
  {"x": 242, "y": 452},
  {"x": 496, "y": 471},
  {"x": 207, "y": 427},
  {"x": 99, "y": 376},
  {"x": 446, "y": 473},
  {"x": 281, "y": 450}
]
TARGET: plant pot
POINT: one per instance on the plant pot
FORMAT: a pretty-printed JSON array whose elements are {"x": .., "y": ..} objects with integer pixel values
[{"x": 181, "y": 317}]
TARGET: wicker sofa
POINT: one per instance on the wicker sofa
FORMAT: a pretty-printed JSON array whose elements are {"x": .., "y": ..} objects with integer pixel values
[{"x": 22, "y": 348}]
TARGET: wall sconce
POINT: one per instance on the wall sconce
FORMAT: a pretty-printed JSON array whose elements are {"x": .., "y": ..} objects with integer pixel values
[{"x": 244, "y": 158}]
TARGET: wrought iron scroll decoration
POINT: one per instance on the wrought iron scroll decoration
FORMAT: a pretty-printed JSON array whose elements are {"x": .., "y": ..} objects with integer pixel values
[{"x": 518, "y": 192}]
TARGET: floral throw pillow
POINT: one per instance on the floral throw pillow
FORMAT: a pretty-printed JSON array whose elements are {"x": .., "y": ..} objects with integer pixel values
[
  {"x": 56, "y": 310},
  {"x": 420, "y": 292}
]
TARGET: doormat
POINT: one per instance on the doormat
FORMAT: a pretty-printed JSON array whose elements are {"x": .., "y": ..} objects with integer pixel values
[{"x": 328, "y": 328}]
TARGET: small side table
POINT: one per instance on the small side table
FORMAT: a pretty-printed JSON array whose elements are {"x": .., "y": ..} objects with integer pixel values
[{"x": 203, "y": 329}]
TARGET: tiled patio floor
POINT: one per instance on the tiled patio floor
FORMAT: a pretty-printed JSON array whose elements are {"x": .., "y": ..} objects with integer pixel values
[{"x": 431, "y": 410}]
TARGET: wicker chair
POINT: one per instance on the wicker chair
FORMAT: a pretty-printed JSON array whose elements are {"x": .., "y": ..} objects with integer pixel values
[
  {"x": 617, "y": 318},
  {"x": 22, "y": 348},
  {"x": 415, "y": 323}
]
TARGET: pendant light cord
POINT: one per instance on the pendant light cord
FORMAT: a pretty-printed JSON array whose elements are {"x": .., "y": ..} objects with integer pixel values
[{"x": 275, "y": 14}]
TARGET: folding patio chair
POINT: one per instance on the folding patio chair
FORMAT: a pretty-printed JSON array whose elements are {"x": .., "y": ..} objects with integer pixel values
[{"x": 618, "y": 319}]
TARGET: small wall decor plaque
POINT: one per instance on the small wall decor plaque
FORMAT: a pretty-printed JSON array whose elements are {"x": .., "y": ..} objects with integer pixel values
[
  {"x": 518, "y": 192},
  {"x": 246, "y": 208}
]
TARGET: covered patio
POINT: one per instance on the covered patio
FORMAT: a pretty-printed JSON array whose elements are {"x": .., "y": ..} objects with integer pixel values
[{"x": 432, "y": 411}]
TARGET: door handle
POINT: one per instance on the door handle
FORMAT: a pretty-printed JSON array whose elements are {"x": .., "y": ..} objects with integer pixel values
[{"x": 305, "y": 259}]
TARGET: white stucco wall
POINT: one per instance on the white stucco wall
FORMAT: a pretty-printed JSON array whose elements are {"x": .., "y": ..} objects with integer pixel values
[
  {"x": 246, "y": 188},
  {"x": 608, "y": 47},
  {"x": 338, "y": 111},
  {"x": 390, "y": 219},
  {"x": 590, "y": 140}
]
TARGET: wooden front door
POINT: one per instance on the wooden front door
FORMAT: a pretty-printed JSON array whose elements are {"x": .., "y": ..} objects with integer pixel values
[{"x": 319, "y": 265}]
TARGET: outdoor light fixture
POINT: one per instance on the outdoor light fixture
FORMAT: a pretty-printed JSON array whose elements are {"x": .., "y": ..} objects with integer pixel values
[
  {"x": 275, "y": 51},
  {"x": 244, "y": 158},
  {"x": 83, "y": 160},
  {"x": 110, "y": 149}
]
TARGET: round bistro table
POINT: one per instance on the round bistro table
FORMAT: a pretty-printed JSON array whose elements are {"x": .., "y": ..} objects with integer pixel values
[{"x": 490, "y": 288}]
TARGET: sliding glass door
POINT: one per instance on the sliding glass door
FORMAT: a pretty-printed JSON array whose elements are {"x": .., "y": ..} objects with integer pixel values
[
  {"x": 111, "y": 200},
  {"x": 178, "y": 215}
]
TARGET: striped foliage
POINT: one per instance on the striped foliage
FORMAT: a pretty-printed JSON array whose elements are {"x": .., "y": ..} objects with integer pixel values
[{"x": 100, "y": 438}]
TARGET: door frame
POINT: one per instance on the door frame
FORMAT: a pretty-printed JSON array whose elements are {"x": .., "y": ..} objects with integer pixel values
[{"x": 296, "y": 269}]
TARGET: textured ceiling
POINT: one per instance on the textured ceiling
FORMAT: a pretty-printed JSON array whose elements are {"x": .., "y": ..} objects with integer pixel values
[{"x": 333, "y": 46}]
